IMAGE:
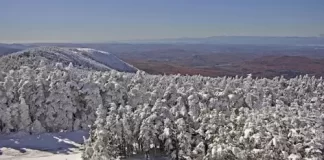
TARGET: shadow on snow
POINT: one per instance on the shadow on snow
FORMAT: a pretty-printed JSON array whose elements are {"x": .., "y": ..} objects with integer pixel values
[{"x": 56, "y": 143}]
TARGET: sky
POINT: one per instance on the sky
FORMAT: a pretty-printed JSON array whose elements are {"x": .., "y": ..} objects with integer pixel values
[{"x": 117, "y": 20}]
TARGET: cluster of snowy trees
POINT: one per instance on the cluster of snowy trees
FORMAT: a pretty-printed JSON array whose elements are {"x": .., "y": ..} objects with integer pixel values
[
  {"x": 202, "y": 118},
  {"x": 47, "y": 99},
  {"x": 184, "y": 117}
]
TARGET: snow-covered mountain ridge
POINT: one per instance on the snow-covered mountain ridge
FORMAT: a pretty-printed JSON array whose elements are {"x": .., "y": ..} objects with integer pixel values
[{"x": 80, "y": 57}]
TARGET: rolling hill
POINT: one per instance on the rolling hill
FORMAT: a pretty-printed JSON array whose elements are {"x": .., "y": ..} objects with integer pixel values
[
  {"x": 7, "y": 50},
  {"x": 80, "y": 57},
  {"x": 288, "y": 66}
]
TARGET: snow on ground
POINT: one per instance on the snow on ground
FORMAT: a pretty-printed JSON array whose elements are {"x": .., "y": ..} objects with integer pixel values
[
  {"x": 46, "y": 146},
  {"x": 106, "y": 59},
  {"x": 44, "y": 156},
  {"x": 142, "y": 157}
]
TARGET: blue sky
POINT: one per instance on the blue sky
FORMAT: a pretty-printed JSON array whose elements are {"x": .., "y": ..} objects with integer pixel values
[{"x": 114, "y": 20}]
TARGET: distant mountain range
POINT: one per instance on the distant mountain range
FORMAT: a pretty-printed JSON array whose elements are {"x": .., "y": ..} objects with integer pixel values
[
  {"x": 261, "y": 40},
  {"x": 213, "y": 40}
]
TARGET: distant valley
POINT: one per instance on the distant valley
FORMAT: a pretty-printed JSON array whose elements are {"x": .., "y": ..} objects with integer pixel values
[{"x": 208, "y": 59}]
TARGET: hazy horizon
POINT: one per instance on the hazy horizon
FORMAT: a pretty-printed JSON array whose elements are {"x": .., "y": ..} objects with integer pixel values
[{"x": 44, "y": 21}]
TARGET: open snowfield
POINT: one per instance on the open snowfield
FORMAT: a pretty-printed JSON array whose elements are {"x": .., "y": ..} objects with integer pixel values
[{"x": 46, "y": 146}]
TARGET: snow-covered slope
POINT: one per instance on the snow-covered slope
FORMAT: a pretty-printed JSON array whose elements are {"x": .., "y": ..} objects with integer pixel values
[
  {"x": 45, "y": 146},
  {"x": 80, "y": 57}
]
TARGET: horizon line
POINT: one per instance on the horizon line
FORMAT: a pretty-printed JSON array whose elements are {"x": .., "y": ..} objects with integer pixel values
[{"x": 155, "y": 39}]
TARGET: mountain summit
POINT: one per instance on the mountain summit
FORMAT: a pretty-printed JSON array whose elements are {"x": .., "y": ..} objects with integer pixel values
[{"x": 79, "y": 57}]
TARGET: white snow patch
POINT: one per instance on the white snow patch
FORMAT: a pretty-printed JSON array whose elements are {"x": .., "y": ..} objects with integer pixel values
[
  {"x": 46, "y": 146},
  {"x": 91, "y": 50},
  {"x": 49, "y": 146}
]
